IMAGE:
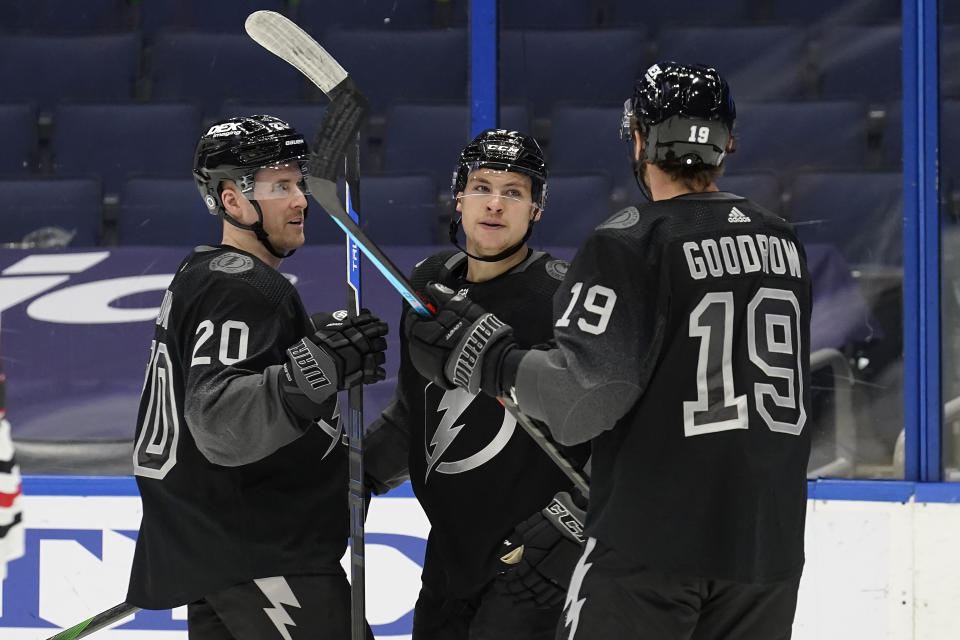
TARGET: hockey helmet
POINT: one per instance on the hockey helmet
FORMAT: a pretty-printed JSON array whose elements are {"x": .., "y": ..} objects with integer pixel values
[
  {"x": 235, "y": 148},
  {"x": 504, "y": 150},
  {"x": 685, "y": 114}
]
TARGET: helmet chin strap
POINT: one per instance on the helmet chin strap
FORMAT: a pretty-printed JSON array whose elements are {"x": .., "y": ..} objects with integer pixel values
[
  {"x": 258, "y": 230},
  {"x": 638, "y": 168},
  {"x": 506, "y": 253},
  {"x": 638, "y": 175}
]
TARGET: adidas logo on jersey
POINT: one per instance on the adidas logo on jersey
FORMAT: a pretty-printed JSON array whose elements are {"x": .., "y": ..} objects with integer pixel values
[{"x": 737, "y": 216}]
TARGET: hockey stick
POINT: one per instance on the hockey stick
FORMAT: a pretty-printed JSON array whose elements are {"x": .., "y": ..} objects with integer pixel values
[
  {"x": 288, "y": 41},
  {"x": 324, "y": 191},
  {"x": 355, "y": 410},
  {"x": 97, "y": 622},
  {"x": 280, "y": 36},
  {"x": 338, "y": 129}
]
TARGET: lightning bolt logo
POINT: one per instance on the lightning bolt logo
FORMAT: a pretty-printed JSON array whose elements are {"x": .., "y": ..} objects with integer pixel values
[
  {"x": 453, "y": 403},
  {"x": 574, "y": 603},
  {"x": 278, "y": 593},
  {"x": 333, "y": 432}
]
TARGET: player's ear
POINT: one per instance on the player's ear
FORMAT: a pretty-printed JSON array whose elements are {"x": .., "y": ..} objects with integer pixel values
[
  {"x": 459, "y": 199},
  {"x": 231, "y": 200},
  {"x": 637, "y": 145},
  {"x": 537, "y": 211}
]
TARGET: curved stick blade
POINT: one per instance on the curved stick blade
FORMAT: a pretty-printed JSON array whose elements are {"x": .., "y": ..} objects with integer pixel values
[{"x": 281, "y": 37}]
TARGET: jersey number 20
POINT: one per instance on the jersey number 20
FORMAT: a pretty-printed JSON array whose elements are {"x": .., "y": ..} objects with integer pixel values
[{"x": 773, "y": 342}]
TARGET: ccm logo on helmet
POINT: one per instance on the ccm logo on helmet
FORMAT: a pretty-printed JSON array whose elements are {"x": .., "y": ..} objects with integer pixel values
[{"x": 506, "y": 149}]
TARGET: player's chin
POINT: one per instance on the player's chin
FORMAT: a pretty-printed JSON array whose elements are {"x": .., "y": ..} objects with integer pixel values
[
  {"x": 489, "y": 250},
  {"x": 294, "y": 236}
]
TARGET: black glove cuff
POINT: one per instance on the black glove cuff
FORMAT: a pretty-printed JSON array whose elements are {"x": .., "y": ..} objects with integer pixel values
[{"x": 505, "y": 378}]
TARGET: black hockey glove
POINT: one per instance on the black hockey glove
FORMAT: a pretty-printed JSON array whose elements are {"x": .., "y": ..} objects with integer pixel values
[
  {"x": 343, "y": 351},
  {"x": 356, "y": 344},
  {"x": 542, "y": 553},
  {"x": 461, "y": 346}
]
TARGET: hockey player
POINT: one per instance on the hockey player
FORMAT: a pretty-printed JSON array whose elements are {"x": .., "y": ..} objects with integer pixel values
[
  {"x": 682, "y": 352},
  {"x": 11, "y": 516},
  {"x": 237, "y": 452},
  {"x": 480, "y": 479}
]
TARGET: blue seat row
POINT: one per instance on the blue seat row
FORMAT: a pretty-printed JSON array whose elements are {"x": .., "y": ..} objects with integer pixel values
[
  {"x": 91, "y": 16},
  {"x": 541, "y": 67},
  {"x": 112, "y": 141}
]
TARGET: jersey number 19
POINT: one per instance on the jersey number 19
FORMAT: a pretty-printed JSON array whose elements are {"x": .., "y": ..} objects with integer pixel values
[{"x": 773, "y": 337}]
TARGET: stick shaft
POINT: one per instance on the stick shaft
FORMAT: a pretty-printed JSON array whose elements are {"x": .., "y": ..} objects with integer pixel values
[
  {"x": 97, "y": 622},
  {"x": 325, "y": 193},
  {"x": 355, "y": 413}
]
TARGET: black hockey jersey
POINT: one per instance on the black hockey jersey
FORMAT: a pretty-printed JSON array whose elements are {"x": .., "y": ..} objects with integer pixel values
[
  {"x": 474, "y": 470},
  {"x": 234, "y": 486},
  {"x": 684, "y": 343}
]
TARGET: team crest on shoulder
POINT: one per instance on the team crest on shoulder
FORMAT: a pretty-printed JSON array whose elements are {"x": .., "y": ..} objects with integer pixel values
[
  {"x": 231, "y": 263},
  {"x": 557, "y": 269},
  {"x": 622, "y": 219}
]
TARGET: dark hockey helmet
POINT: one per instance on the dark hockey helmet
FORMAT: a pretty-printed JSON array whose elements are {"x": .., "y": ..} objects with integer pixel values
[
  {"x": 685, "y": 114},
  {"x": 504, "y": 150},
  {"x": 235, "y": 148}
]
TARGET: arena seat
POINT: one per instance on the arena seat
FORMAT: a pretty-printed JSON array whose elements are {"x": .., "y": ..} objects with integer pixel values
[
  {"x": 205, "y": 17},
  {"x": 207, "y": 68},
  {"x": 656, "y": 15},
  {"x": 587, "y": 140},
  {"x": 100, "y": 68},
  {"x": 403, "y": 66},
  {"x": 52, "y": 17},
  {"x": 429, "y": 137},
  {"x": 116, "y": 140},
  {"x": 319, "y": 15},
  {"x": 591, "y": 67},
  {"x": 762, "y": 188},
  {"x": 165, "y": 211},
  {"x": 575, "y": 205},
  {"x": 859, "y": 212},
  {"x": 18, "y": 130},
  {"x": 559, "y": 14},
  {"x": 861, "y": 63},
  {"x": 791, "y": 136},
  {"x": 33, "y": 203},
  {"x": 399, "y": 209},
  {"x": 760, "y": 63},
  {"x": 833, "y": 12}
]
